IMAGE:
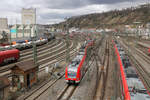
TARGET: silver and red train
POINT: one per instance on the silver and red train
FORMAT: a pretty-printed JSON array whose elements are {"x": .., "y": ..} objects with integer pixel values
[
  {"x": 76, "y": 69},
  {"x": 27, "y": 42},
  {"x": 133, "y": 87},
  {"x": 11, "y": 53}
]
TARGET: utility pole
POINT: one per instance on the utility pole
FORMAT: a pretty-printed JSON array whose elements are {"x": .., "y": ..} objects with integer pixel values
[
  {"x": 34, "y": 46},
  {"x": 67, "y": 43},
  {"x": 127, "y": 36},
  {"x": 16, "y": 31},
  {"x": 10, "y": 36},
  {"x": 30, "y": 29},
  {"x": 23, "y": 30}
]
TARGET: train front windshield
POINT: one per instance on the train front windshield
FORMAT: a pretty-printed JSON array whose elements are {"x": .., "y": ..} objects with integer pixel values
[{"x": 72, "y": 74}]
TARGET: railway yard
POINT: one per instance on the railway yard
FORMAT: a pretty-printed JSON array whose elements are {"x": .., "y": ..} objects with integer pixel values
[{"x": 85, "y": 67}]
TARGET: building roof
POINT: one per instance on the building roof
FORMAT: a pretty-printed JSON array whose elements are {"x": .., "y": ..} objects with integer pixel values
[
  {"x": 4, "y": 82},
  {"x": 26, "y": 65}
]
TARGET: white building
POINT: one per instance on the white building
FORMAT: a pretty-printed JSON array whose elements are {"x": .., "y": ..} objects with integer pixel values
[
  {"x": 3, "y": 27},
  {"x": 26, "y": 31},
  {"x": 28, "y": 28},
  {"x": 28, "y": 16},
  {"x": 3, "y": 23}
]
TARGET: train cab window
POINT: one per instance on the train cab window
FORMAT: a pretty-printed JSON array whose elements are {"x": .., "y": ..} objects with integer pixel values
[{"x": 75, "y": 63}]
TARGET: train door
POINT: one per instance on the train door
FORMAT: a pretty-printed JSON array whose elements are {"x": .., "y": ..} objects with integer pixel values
[{"x": 28, "y": 80}]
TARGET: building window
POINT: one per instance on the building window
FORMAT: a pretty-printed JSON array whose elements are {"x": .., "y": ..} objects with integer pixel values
[{"x": 28, "y": 22}]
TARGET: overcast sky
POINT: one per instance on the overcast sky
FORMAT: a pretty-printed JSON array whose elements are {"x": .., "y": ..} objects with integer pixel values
[{"x": 54, "y": 11}]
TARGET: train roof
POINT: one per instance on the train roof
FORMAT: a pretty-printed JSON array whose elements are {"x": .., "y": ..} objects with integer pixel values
[
  {"x": 81, "y": 53},
  {"x": 136, "y": 83},
  {"x": 9, "y": 51},
  {"x": 78, "y": 57},
  {"x": 139, "y": 96},
  {"x": 137, "y": 89},
  {"x": 76, "y": 61},
  {"x": 72, "y": 69}
]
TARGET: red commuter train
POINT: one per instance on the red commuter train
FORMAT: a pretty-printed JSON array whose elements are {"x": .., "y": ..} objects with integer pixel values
[
  {"x": 9, "y": 56},
  {"x": 75, "y": 71}
]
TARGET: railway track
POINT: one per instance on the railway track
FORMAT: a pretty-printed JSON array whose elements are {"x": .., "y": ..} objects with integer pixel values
[
  {"x": 7, "y": 67},
  {"x": 61, "y": 58},
  {"x": 99, "y": 51},
  {"x": 44, "y": 87},
  {"x": 105, "y": 69},
  {"x": 139, "y": 51},
  {"x": 41, "y": 50},
  {"x": 35, "y": 94},
  {"x": 143, "y": 56},
  {"x": 68, "y": 90},
  {"x": 142, "y": 48},
  {"x": 55, "y": 57},
  {"x": 102, "y": 74},
  {"x": 38, "y": 47}
]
